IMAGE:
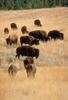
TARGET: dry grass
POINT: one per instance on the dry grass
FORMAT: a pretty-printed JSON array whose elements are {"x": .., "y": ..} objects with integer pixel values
[{"x": 51, "y": 81}]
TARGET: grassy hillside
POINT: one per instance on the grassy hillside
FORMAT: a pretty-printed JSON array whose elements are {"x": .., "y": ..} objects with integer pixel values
[
  {"x": 51, "y": 81},
  {"x": 51, "y": 53}
]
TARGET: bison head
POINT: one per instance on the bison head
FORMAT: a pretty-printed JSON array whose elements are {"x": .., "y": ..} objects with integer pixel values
[
  {"x": 36, "y": 41},
  {"x": 36, "y": 52},
  {"x": 61, "y": 36}
]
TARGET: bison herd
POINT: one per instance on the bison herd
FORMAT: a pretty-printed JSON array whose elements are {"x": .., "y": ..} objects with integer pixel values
[{"x": 27, "y": 50}]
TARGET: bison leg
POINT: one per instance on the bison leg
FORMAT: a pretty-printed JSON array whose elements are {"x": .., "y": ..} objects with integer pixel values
[
  {"x": 10, "y": 43},
  {"x": 18, "y": 56}
]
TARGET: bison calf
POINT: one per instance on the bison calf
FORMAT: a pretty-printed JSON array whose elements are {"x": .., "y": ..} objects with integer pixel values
[
  {"x": 12, "y": 70},
  {"x": 12, "y": 39}
]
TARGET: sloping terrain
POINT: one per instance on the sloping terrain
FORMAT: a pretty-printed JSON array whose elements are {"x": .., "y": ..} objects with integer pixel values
[{"x": 51, "y": 81}]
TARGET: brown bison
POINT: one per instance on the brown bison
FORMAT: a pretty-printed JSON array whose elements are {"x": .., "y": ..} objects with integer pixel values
[
  {"x": 13, "y": 26},
  {"x": 24, "y": 29},
  {"x": 29, "y": 40},
  {"x": 6, "y": 30},
  {"x": 30, "y": 70},
  {"x": 39, "y": 34},
  {"x": 28, "y": 60},
  {"x": 27, "y": 51},
  {"x": 55, "y": 34},
  {"x": 12, "y": 70},
  {"x": 12, "y": 39},
  {"x": 37, "y": 22}
]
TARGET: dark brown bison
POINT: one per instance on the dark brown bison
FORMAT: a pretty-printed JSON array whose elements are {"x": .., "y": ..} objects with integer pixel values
[
  {"x": 13, "y": 26},
  {"x": 29, "y": 40},
  {"x": 27, "y": 51},
  {"x": 39, "y": 34},
  {"x": 6, "y": 30},
  {"x": 37, "y": 22},
  {"x": 12, "y": 70},
  {"x": 24, "y": 29},
  {"x": 28, "y": 60},
  {"x": 30, "y": 70},
  {"x": 12, "y": 39},
  {"x": 55, "y": 34}
]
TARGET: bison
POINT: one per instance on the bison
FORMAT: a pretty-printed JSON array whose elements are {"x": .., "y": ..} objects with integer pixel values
[
  {"x": 37, "y": 22},
  {"x": 55, "y": 34},
  {"x": 29, "y": 40},
  {"x": 6, "y": 30},
  {"x": 12, "y": 39},
  {"x": 30, "y": 70},
  {"x": 24, "y": 29},
  {"x": 39, "y": 34},
  {"x": 27, "y": 51},
  {"x": 13, "y": 26},
  {"x": 12, "y": 70},
  {"x": 28, "y": 60}
]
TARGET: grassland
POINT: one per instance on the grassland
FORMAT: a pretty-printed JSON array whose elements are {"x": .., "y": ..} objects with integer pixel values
[{"x": 51, "y": 81}]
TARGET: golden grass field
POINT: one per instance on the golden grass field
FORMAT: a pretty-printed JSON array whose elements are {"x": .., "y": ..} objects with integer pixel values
[{"x": 51, "y": 80}]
